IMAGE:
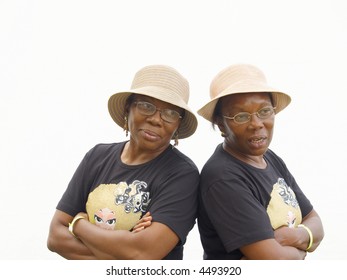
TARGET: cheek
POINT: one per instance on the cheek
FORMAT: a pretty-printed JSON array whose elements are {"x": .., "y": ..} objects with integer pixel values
[
  {"x": 233, "y": 135},
  {"x": 131, "y": 121},
  {"x": 237, "y": 137},
  {"x": 270, "y": 125},
  {"x": 171, "y": 133},
  {"x": 233, "y": 131},
  {"x": 270, "y": 130},
  {"x": 173, "y": 128}
]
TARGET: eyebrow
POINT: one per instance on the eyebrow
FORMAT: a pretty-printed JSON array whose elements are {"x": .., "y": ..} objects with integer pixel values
[
  {"x": 241, "y": 109},
  {"x": 169, "y": 105}
]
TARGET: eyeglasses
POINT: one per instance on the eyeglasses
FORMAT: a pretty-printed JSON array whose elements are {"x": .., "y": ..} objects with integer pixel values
[
  {"x": 149, "y": 109},
  {"x": 245, "y": 117}
]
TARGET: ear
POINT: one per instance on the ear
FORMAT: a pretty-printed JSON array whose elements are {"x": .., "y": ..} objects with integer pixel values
[
  {"x": 127, "y": 109},
  {"x": 221, "y": 126}
]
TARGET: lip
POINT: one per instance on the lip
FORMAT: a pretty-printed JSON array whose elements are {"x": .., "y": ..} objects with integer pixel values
[
  {"x": 258, "y": 141},
  {"x": 150, "y": 135}
]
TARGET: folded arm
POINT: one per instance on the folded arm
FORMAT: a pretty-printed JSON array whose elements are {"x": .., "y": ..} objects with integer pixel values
[
  {"x": 270, "y": 249},
  {"x": 299, "y": 237},
  {"x": 61, "y": 241},
  {"x": 149, "y": 240},
  {"x": 153, "y": 242},
  {"x": 289, "y": 243}
]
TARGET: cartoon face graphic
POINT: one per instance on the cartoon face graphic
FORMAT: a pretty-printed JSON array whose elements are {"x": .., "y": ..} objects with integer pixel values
[
  {"x": 283, "y": 208},
  {"x": 118, "y": 206},
  {"x": 105, "y": 218}
]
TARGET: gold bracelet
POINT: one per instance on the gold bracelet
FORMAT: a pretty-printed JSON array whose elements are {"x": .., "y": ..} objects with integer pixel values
[
  {"x": 310, "y": 235},
  {"x": 72, "y": 224}
]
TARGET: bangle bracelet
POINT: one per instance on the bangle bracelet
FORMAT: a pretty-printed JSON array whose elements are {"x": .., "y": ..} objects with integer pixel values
[
  {"x": 72, "y": 224},
  {"x": 310, "y": 235}
]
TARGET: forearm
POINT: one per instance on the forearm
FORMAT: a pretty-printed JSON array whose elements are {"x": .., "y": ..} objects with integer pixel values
[
  {"x": 105, "y": 244},
  {"x": 300, "y": 237},
  {"x": 293, "y": 237},
  {"x": 270, "y": 249},
  {"x": 125, "y": 245},
  {"x": 314, "y": 223},
  {"x": 292, "y": 253},
  {"x": 62, "y": 242}
]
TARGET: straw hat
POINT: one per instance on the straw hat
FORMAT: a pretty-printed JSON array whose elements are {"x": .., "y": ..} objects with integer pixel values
[
  {"x": 241, "y": 78},
  {"x": 161, "y": 82}
]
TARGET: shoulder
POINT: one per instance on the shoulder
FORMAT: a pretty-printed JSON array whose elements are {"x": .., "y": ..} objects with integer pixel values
[
  {"x": 177, "y": 158},
  {"x": 220, "y": 162},
  {"x": 106, "y": 147},
  {"x": 272, "y": 157},
  {"x": 222, "y": 170},
  {"x": 103, "y": 150}
]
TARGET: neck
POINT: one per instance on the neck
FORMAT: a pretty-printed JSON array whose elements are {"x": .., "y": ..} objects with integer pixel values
[
  {"x": 134, "y": 155},
  {"x": 255, "y": 161}
]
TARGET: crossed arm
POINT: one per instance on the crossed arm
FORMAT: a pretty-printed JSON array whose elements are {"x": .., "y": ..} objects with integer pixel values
[
  {"x": 93, "y": 242},
  {"x": 289, "y": 243}
]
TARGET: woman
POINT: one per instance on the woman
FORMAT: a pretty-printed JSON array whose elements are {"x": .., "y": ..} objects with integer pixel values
[
  {"x": 250, "y": 205},
  {"x": 116, "y": 184}
]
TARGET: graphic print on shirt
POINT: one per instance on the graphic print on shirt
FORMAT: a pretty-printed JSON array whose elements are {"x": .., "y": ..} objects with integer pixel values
[
  {"x": 118, "y": 206},
  {"x": 283, "y": 208}
]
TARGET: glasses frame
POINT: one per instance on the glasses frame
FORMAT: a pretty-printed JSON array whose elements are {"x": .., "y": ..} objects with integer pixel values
[
  {"x": 156, "y": 109},
  {"x": 250, "y": 115}
]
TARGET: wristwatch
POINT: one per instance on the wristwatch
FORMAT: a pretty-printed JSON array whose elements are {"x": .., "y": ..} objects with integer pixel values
[{"x": 72, "y": 224}]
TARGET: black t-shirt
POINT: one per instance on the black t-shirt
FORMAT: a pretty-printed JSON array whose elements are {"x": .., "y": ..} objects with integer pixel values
[
  {"x": 117, "y": 195},
  {"x": 241, "y": 204}
]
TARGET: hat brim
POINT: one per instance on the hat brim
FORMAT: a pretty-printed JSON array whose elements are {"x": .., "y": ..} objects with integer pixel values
[{"x": 116, "y": 107}]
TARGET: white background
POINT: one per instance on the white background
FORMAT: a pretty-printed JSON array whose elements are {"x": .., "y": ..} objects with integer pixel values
[{"x": 61, "y": 60}]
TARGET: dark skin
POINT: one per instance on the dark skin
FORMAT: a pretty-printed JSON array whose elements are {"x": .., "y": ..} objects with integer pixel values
[
  {"x": 248, "y": 142},
  {"x": 149, "y": 137}
]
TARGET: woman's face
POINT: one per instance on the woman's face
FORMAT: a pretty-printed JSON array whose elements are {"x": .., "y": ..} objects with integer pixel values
[
  {"x": 151, "y": 132},
  {"x": 250, "y": 139}
]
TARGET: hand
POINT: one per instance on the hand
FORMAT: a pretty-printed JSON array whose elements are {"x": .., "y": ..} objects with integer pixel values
[
  {"x": 286, "y": 236},
  {"x": 289, "y": 237},
  {"x": 143, "y": 223}
]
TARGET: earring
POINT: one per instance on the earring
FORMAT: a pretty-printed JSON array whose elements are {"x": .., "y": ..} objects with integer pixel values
[
  {"x": 176, "y": 138},
  {"x": 126, "y": 128},
  {"x": 223, "y": 134}
]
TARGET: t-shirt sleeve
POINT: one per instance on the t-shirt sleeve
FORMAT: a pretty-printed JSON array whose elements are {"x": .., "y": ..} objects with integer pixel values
[
  {"x": 304, "y": 203},
  {"x": 175, "y": 205},
  {"x": 244, "y": 218},
  {"x": 75, "y": 196}
]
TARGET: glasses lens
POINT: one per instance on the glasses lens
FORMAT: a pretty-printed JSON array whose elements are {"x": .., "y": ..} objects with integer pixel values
[
  {"x": 149, "y": 109},
  {"x": 242, "y": 117},
  {"x": 265, "y": 112},
  {"x": 145, "y": 108},
  {"x": 170, "y": 115}
]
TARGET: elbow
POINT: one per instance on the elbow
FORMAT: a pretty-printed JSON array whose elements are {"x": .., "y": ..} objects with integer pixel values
[
  {"x": 317, "y": 242},
  {"x": 317, "y": 239},
  {"x": 51, "y": 244},
  {"x": 137, "y": 254}
]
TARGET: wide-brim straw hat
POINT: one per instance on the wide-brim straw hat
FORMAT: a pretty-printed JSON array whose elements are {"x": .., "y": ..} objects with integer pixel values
[
  {"x": 161, "y": 82},
  {"x": 241, "y": 78}
]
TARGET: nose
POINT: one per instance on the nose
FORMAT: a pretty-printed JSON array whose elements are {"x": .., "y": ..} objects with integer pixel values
[
  {"x": 255, "y": 121},
  {"x": 156, "y": 116}
]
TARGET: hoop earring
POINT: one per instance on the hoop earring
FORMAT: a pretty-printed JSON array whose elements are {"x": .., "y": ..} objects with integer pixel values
[{"x": 125, "y": 127}]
